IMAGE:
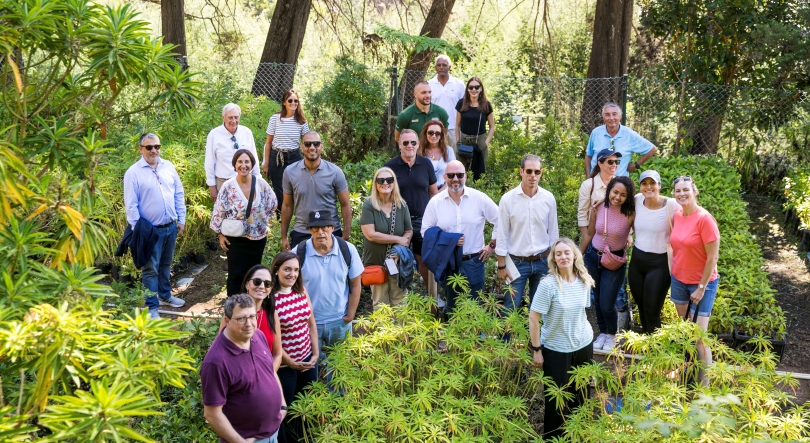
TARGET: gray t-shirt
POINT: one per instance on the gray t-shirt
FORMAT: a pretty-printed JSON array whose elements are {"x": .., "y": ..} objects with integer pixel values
[
  {"x": 565, "y": 325},
  {"x": 314, "y": 191}
]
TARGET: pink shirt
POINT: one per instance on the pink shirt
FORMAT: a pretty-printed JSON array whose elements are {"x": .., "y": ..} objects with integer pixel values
[
  {"x": 618, "y": 228},
  {"x": 689, "y": 235}
]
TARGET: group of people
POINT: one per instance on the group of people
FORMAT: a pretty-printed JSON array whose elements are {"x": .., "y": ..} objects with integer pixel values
[{"x": 420, "y": 215}]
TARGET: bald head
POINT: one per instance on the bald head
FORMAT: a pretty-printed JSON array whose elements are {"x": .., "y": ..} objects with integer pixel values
[{"x": 455, "y": 177}]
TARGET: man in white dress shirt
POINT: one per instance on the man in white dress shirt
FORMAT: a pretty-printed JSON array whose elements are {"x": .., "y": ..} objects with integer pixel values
[
  {"x": 222, "y": 142},
  {"x": 446, "y": 91},
  {"x": 460, "y": 209},
  {"x": 527, "y": 217}
]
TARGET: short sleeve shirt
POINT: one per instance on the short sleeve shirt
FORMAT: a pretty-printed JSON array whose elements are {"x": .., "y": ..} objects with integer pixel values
[
  {"x": 413, "y": 117},
  {"x": 286, "y": 132},
  {"x": 565, "y": 325},
  {"x": 414, "y": 182},
  {"x": 472, "y": 122},
  {"x": 626, "y": 141},
  {"x": 689, "y": 235},
  {"x": 374, "y": 253},
  {"x": 314, "y": 191}
]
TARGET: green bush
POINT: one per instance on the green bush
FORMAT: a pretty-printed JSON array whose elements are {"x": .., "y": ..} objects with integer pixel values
[{"x": 797, "y": 194}]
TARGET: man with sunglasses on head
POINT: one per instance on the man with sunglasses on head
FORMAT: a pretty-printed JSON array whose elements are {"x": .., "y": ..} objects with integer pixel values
[
  {"x": 462, "y": 210},
  {"x": 527, "y": 227},
  {"x": 309, "y": 185},
  {"x": 420, "y": 112},
  {"x": 222, "y": 142},
  {"x": 621, "y": 139},
  {"x": 156, "y": 212}
]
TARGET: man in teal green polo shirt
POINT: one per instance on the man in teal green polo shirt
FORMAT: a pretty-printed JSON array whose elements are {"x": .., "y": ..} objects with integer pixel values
[{"x": 420, "y": 112}]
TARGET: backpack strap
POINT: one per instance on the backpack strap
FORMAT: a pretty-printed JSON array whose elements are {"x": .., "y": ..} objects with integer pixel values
[{"x": 301, "y": 252}]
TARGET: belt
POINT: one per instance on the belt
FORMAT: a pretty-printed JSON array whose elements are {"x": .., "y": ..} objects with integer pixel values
[
  {"x": 165, "y": 225},
  {"x": 466, "y": 257},
  {"x": 280, "y": 155},
  {"x": 534, "y": 257}
]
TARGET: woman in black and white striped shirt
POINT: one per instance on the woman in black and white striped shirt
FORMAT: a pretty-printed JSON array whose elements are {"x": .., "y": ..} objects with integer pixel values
[{"x": 284, "y": 132}]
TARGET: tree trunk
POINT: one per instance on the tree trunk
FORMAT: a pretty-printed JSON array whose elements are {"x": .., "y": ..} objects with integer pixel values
[
  {"x": 703, "y": 125},
  {"x": 276, "y": 70},
  {"x": 610, "y": 53},
  {"x": 173, "y": 25}
]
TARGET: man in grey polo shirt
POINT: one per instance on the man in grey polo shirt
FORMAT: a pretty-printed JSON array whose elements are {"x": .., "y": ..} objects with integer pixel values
[{"x": 309, "y": 185}]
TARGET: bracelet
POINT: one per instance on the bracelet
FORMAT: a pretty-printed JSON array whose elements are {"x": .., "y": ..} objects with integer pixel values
[
  {"x": 501, "y": 267},
  {"x": 533, "y": 347},
  {"x": 284, "y": 408},
  {"x": 638, "y": 166}
]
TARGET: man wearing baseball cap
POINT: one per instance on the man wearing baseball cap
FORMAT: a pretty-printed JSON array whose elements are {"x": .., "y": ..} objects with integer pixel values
[{"x": 620, "y": 139}]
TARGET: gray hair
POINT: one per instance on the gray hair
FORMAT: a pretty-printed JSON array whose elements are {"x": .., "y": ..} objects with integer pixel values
[
  {"x": 242, "y": 300},
  {"x": 409, "y": 131},
  {"x": 612, "y": 105},
  {"x": 531, "y": 158},
  {"x": 231, "y": 107},
  {"x": 445, "y": 57},
  {"x": 147, "y": 135}
]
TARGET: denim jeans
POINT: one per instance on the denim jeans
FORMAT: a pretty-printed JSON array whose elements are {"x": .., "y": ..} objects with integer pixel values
[
  {"x": 156, "y": 274},
  {"x": 531, "y": 271},
  {"x": 680, "y": 293},
  {"x": 328, "y": 335},
  {"x": 271, "y": 439},
  {"x": 473, "y": 269},
  {"x": 607, "y": 284}
]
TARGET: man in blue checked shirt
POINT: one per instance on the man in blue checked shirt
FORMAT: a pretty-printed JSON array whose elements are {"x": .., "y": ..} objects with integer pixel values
[
  {"x": 612, "y": 135},
  {"x": 153, "y": 192}
]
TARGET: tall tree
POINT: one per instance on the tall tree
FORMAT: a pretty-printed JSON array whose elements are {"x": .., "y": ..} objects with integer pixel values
[
  {"x": 610, "y": 53},
  {"x": 284, "y": 39},
  {"x": 173, "y": 25}
]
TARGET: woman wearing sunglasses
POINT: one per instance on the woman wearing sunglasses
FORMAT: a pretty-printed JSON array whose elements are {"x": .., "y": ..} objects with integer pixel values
[
  {"x": 609, "y": 230},
  {"x": 473, "y": 114},
  {"x": 284, "y": 132},
  {"x": 695, "y": 242},
  {"x": 384, "y": 203},
  {"x": 433, "y": 146},
  {"x": 592, "y": 190}
]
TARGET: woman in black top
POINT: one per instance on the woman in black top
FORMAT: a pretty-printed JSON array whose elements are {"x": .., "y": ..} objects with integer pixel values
[{"x": 473, "y": 114}]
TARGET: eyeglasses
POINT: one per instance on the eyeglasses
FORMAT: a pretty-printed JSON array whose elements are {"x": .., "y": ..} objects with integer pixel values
[
  {"x": 474, "y": 87},
  {"x": 150, "y": 147},
  {"x": 310, "y": 144},
  {"x": 258, "y": 282},
  {"x": 321, "y": 228},
  {"x": 292, "y": 100},
  {"x": 452, "y": 175},
  {"x": 685, "y": 178},
  {"x": 410, "y": 142},
  {"x": 434, "y": 133},
  {"x": 533, "y": 171},
  {"x": 235, "y": 145},
  {"x": 381, "y": 180},
  {"x": 612, "y": 162},
  {"x": 242, "y": 320}
]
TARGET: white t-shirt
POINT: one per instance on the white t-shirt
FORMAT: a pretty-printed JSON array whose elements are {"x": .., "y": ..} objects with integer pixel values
[
  {"x": 565, "y": 325},
  {"x": 286, "y": 132},
  {"x": 651, "y": 225},
  {"x": 439, "y": 166}
]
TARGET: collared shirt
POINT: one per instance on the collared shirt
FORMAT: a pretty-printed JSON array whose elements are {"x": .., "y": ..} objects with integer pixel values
[
  {"x": 526, "y": 225},
  {"x": 325, "y": 280},
  {"x": 413, "y": 118},
  {"x": 446, "y": 95},
  {"x": 591, "y": 190},
  {"x": 242, "y": 382},
  {"x": 232, "y": 203},
  {"x": 465, "y": 218},
  {"x": 311, "y": 192},
  {"x": 626, "y": 141},
  {"x": 414, "y": 182},
  {"x": 154, "y": 194},
  {"x": 219, "y": 150}
]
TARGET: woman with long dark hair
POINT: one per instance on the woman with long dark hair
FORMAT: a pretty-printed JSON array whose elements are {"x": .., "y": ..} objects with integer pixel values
[
  {"x": 473, "y": 113},
  {"x": 284, "y": 132},
  {"x": 609, "y": 230},
  {"x": 433, "y": 146}
]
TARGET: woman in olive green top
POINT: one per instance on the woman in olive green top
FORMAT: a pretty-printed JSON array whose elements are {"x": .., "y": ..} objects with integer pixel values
[{"x": 375, "y": 221}]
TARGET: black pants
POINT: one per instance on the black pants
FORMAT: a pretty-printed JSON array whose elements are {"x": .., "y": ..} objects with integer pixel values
[
  {"x": 649, "y": 282},
  {"x": 297, "y": 237},
  {"x": 293, "y": 382},
  {"x": 556, "y": 365},
  {"x": 279, "y": 160},
  {"x": 243, "y": 253}
]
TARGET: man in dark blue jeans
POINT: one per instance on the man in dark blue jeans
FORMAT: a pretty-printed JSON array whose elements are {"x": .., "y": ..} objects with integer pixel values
[{"x": 153, "y": 191}]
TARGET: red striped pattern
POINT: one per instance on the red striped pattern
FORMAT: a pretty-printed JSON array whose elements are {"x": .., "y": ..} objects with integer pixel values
[{"x": 293, "y": 313}]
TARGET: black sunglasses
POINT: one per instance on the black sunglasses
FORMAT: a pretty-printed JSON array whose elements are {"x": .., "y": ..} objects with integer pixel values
[
  {"x": 685, "y": 178},
  {"x": 150, "y": 147},
  {"x": 235, "y": 145},
  {"x": 452, "y": 175},
  {"x": 258, "y": 282},
  {"x": 474, "y": 87},
  {"x": 533, "y": 171},
  {"x": 434, "y": 133},
  {"x": 292, "y": 100},
  {"x": 612, "y": 162},
  {"x": 381, "y": 180},
  {"x": 310, "y": 144},
  {"x": 410, "y": 142}
]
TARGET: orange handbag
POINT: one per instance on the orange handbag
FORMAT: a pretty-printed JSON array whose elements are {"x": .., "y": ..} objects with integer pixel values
[{"x": 374, "y": 275}]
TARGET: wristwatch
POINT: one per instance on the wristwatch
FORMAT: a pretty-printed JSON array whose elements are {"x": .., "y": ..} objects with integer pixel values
[
  {"x": 534, "y": 348},
  {"x": 491, "y": 245},
  {"x": 283, "y": 408},
  {"x": 701, "y": 286},
  {"x": 638, "y": 166},
  {"x": 501, "y": 267}
]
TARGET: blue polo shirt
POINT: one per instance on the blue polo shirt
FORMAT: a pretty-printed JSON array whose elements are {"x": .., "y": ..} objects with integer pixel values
[
  {"x": 325, "y": 280},
  {"x": 626, "y": 141}
]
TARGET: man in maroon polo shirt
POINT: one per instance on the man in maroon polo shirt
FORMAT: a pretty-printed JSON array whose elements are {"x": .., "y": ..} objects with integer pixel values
[{"x": 241, "y": 392}]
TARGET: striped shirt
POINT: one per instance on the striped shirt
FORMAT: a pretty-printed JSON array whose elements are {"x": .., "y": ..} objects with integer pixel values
[
  {"x": 293, "y": 313},
  {"x": 565, "y": 325},
  {"x": 286, "y": 133}
]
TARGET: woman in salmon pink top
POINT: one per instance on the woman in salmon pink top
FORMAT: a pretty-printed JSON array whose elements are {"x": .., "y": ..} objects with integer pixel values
[{"x": 695, "y": 242}]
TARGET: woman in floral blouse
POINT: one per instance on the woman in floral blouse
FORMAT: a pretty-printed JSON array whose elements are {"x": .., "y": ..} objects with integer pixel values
[{"x": 246, "y": 251}]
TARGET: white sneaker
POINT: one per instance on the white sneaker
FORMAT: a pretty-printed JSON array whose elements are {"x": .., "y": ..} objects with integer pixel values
[
  {"x": 153, "y": 314},
  {"x": 599, "y": 342},
  {"x": 610, "y": 342},
  {"x": 172, "y": 301}
]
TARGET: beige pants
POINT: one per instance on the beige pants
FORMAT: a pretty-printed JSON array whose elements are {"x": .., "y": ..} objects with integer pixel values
[
  {"x": 451, "y": 139},
  {"x": 220, "y": 182},
  {"x": 387, "y": 293}
]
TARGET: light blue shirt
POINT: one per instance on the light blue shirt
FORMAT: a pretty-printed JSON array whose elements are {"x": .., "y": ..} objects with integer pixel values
[
  {"x": 154, "y": 194},
  {"x": 325, "y": 280},
  {"x": 626, "y": 141}
]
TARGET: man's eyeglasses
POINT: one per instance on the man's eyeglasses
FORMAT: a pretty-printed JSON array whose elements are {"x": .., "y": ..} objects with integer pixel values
[
  {"x": 613, "y": 162},
  {"x": 410, "y": 142},
  {"x": 292, "y": 100},
  {"x": 474, "y": 87},
  {"x": 235, "y": 145},
  {"x": 258, "y": 282},
  {"x": 321, "y": 228},
  {"x": 381, "y": 180},
  {"x": 242, "y": 320},
  {"x": 452, "y": 175},
  {"x": 533, "y": 171},
  {"x": 685, "y": 178},
  {"x": 434, "y": 133},
  {"x": 150, "y": 147},
  {"x": 311, "y": 144}
]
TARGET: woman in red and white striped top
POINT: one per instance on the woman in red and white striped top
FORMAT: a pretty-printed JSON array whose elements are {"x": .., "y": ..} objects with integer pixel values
[{"x": 299, "y": 336}]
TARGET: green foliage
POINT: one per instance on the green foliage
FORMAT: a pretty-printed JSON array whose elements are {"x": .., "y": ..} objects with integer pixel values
[
  {"x": 413, "y": 44},
  {"x": 797, "y": 194}
]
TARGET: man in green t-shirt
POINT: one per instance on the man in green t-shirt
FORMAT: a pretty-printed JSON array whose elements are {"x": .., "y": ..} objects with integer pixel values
[{"x": 420, "y": 112}]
